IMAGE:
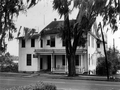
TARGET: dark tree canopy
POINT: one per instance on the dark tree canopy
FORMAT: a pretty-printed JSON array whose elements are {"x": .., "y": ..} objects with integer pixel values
[{"x": 9, "y": 9}]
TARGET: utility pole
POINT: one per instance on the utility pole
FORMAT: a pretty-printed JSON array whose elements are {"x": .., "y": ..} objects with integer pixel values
[{"x": 105, "y": 53}]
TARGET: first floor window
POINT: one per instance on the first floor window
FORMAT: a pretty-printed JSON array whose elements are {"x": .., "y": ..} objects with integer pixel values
[
  {"x": 63, "y": 43},
  {"x": 77, "y": 60},
  {"x": 63, "y": 60},
  {"x": 89, "y": 59},
  {"x": 29, "y": 59}
]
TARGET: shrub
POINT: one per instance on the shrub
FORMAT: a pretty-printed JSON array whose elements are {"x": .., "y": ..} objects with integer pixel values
[
  {"x": 37, "y": 86},
  {"x": 10, "y": 68},
  {"x": 101, "y": 67}
]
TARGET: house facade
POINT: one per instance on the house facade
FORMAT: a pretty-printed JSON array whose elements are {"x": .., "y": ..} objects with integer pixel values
[{"x": 47, "y": 52}]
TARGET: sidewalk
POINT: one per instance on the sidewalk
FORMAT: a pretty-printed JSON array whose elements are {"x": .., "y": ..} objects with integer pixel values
[
  {"x": 79, "y": 77},
  {"x": 57, "y": 76}
]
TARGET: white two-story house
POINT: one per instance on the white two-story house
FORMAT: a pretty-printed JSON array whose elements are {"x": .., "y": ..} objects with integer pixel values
[{"x": 46, "y": 52}]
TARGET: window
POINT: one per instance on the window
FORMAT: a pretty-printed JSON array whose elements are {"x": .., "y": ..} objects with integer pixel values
[
  {"x": 41, "y": 43},
  {"x": 32, "y": 42},
  {"x": 98, "y": 45},
  {"x": 52, "y": 40},
  {"x": 77, "y": 60},
  {"x": 89, "y": 40},
  {"x": 28, "y": 59},
  {"x": 63, "y": 42},
  {"x": 55, "y": 61},
  {"x": 92, "y": 42},
  {"x": 23, "y": 43},
  {"x": 48, "y": 42},
  {"x": 89, "y": 59},
  {"x": 63, "y": 60}
]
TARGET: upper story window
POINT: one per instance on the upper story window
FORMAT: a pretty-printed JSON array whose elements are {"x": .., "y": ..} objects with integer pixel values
[
  {"x": 41, "y": 44},
  {"x": 92, "y": 39},
  {"x": 98, "y": 45},
  {"x": 32, "y": 42},
  {"x": 23, "y": 43},
  {"x": 63, "y": 43},
  {"x": 88, "y": 40},
  {"x": 52, "y": 41},
  {"x": 48, "y": 42},
  {"x": 29, "y": 59}
]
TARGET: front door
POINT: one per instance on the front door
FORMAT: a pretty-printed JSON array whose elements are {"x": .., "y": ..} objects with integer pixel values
[{"x": 49, "y": 62}]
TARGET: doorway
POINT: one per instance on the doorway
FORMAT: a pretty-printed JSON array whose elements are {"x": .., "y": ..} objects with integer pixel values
[{"x": 49, "y": 62}]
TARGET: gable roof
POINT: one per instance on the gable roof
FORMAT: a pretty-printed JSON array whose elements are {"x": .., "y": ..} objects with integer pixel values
[{"x": 53, "y": 27}]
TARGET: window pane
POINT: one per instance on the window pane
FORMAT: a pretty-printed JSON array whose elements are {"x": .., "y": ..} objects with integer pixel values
[
  {"x": 28, "y": 59},
  {"x": 23, "y": 42},
  {"x": 52, "y": 39},
  {"x": 48, "y": 42},
  {"x": 89, "y": 40},
  {"x": 92, "y": 42},
  {"x": 98, "y": 45},
  {"x": 77, "y": 60},
  {"x": 32, "y": 42},
  {"x": 63, "y": 59},
  {"x": 63, "y": 42},
  {"x": 41, "y": 43}
]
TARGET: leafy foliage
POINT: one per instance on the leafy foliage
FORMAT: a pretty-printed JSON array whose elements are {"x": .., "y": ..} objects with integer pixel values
[
  {"x": 113, "y": 63},
  {"x": 89, "y": 10},
  {"x": 9, "y": 9},
  {"x": 7, "y": 64},
  {"x": 37, "y": 86}
]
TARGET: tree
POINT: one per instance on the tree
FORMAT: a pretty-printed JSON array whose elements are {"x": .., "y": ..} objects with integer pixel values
[
  {"x": 71, "y": 32},
  {"x": 8, "y": 10},
  {"x": 88, "y": 12}
]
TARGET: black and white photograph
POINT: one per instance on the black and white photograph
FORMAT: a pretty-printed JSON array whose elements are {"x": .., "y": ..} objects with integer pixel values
[{"x": 59, "y": 44}]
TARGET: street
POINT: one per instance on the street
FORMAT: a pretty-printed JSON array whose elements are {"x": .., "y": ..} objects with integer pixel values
[{"x": 62, "y": 84}]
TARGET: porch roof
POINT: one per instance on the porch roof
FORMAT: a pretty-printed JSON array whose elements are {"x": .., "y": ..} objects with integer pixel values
[{"x": 57, "y": 51}]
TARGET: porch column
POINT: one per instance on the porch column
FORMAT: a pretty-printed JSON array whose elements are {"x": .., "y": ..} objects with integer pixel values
[
  {"x": 52, "y": 62},
  {"x": 82, "y": 61}
]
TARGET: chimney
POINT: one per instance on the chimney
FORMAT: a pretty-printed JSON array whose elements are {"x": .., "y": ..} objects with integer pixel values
[{"x": 55, "y": 19}]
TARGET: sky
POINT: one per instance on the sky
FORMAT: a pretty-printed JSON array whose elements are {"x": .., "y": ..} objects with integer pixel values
[{"x": 41, "y": 15}]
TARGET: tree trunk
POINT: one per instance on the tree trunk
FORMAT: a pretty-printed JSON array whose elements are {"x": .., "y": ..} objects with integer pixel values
[{"x": 71, "y": 65}]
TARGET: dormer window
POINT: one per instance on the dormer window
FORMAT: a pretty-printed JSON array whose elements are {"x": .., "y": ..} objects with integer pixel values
[{"x": 23, "y": 43}]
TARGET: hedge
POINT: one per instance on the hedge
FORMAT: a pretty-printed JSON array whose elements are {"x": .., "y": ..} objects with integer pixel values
[{"x": 37, "y": 86}]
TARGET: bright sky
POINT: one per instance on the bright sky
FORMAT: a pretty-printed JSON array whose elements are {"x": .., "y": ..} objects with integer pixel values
[{"x": 40, "y": 16}]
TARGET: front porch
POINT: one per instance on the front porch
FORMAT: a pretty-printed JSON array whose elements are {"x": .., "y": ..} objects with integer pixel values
[{"x": 57, "y": 62}]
